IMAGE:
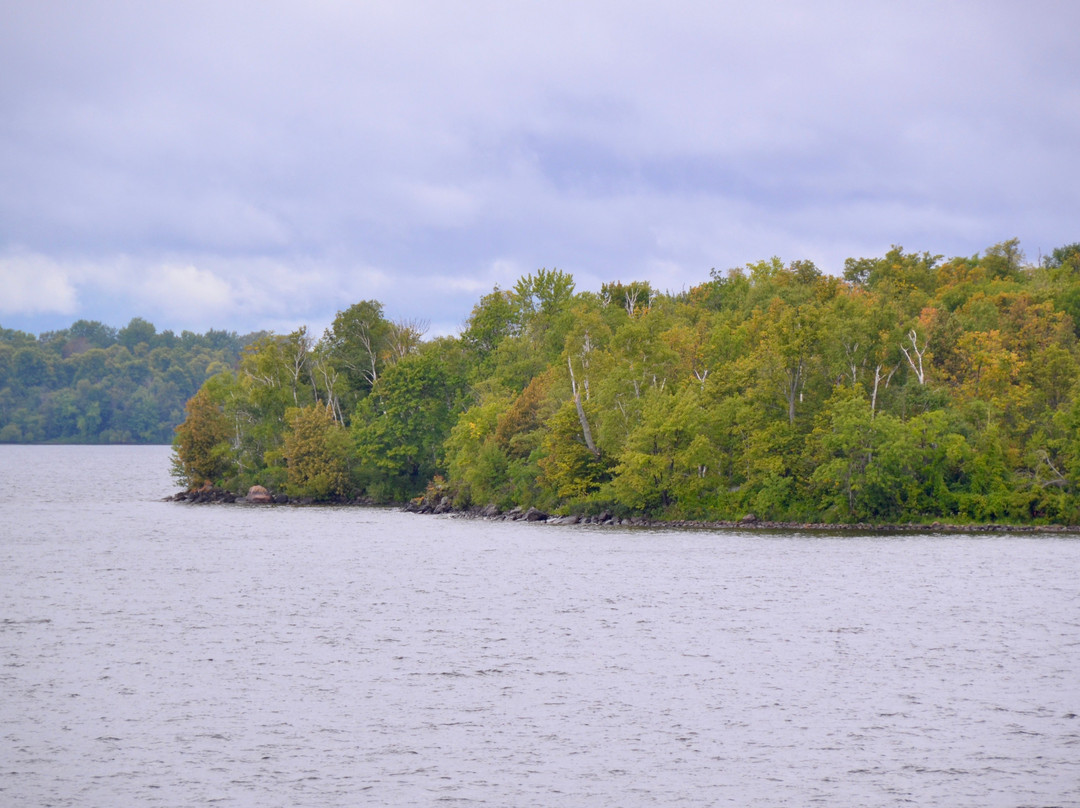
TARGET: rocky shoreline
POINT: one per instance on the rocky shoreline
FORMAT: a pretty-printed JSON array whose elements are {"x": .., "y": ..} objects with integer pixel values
[
  {"x": 748, "y": 522},
  {"x": 257, "y": 495}
]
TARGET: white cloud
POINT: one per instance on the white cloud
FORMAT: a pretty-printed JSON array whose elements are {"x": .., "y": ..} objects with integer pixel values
[
  {"x": 35, "y": 283},
  {"x": 186, "y": 292}
]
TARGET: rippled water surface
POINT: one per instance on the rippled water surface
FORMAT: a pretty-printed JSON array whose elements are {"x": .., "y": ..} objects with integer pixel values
[{"x": 161, "y": 654}]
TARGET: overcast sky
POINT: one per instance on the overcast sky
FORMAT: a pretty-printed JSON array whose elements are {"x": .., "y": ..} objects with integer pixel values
[{"x": 249, "y": 165}]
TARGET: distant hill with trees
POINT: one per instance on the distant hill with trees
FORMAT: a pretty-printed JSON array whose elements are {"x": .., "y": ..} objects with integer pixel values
[
  {"x": 92, "y": 383},
  {"x": 912, "y": 388}
]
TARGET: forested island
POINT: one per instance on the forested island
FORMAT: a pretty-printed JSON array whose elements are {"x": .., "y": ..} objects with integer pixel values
[
  {"x": 911, "y": 389},
  {"x": 92, "y": 383}
]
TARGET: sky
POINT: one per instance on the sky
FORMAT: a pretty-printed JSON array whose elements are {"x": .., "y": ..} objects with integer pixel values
[{"x": 263, "y": 165}]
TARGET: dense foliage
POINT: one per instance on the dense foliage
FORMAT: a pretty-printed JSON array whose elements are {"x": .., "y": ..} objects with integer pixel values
[
  {"x": 94, "y": 384},
  {"x": 910, "y": 389}
]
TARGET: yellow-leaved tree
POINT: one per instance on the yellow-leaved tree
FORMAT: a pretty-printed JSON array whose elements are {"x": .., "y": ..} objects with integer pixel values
[
  {"x": 316, "y": 452},
  {"x": 202, "y": 451}
]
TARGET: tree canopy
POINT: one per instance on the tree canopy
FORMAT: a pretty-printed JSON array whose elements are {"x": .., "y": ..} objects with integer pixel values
[
  {"x": 92, "y": 383},
  {"x": 913, "y": 388}
]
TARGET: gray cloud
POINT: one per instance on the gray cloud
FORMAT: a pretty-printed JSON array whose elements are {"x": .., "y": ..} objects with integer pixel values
[{"x": 250, "y": 165}]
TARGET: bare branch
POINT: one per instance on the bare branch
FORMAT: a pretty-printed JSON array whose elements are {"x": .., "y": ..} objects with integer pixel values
[
  {"x": 585, "y": 431},
  {"x": 917, "y": 363}
]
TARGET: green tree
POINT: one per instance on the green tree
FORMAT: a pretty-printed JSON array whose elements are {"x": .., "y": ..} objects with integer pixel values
[
  {"x": 401, "y": 428},
  {"x": 782, "y": 363},
  {"x": 137, "y": 331},
  {"x": 493, "y": 319},
  {"x": 668, "y": 464},
  {"x": 477, "y": 462},
  {"x": 357, "y": 342},
  {"x": 543, "y": 301},
  {"x": 570, "y": 470},
  {"x": 633, "y": 297}
]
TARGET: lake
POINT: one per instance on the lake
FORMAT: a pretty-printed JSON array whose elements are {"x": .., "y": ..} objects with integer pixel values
[{"x": 154, "y": 653}]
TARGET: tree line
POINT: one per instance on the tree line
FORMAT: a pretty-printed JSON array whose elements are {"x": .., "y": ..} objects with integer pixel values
[
  {"x": 92, "y": 383},
  {"x": 912, "y": 388}
]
